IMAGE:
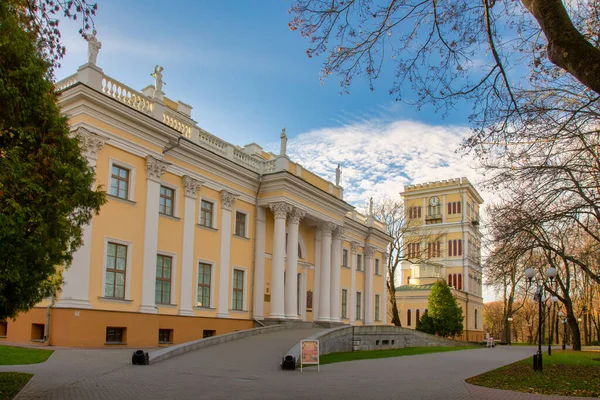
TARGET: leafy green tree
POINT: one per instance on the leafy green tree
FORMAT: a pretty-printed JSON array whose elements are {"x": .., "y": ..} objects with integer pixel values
[
  {"x": 45, "y": 182},
  {"x": 445, "y": 312},
  {"x": 426, "y": 324}
]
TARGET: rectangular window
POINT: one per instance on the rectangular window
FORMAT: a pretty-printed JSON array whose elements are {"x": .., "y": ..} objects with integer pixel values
[
  {"x": 238, "y": 290},
  {"x": 165, "y": 336},
  {"x": 344, "y": 303},
  {"x": 358, "y": 305},
  {"x": 359, "y": 262},
  {"x": 240, "y": 224},
  {"x": 377, "y": 267},
  {"x": 162, "y": 294},
  {"x": 167, "y": 198},
  {"x": 376, "y": 307},
  {"x": 3, "y": 328},
  {"x": 208, "y": 333},
  {"x": 206, "y": 213},
  {"x": 119, "y": 182},
  {"x": 116, "y": 270},
  {"x": 345, "y": 258},
  {"x": 203, "y": 294},
  {"x": 115, "y": 335}
]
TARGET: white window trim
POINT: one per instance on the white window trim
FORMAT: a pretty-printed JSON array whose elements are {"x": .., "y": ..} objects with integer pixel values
[
  {"x": 173, "y": 256},
  {"x": 214, "y": 216},
  {"x": 362, "y": 305},
  {"x": 128, "y": 264},
  {"x": 348, "y": 258},
  {"x": 131, "y": 168},
  {"x": 244, "y": 302},
  {"x": 246, "y": 224},
  {"x": 376, "y": 264},
  {"x": 347, "y": 302},
  {"x": 175, "y": 199},
  {"x": 212, "y": 283},
  {"x": 375, "y": 302}
]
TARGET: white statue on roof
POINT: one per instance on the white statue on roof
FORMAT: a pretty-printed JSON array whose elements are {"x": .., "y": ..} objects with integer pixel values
[
  {"x": 158, "y": 82},
  {"x": 283, "y": 144},
  {"x": 94, "y": 46}
]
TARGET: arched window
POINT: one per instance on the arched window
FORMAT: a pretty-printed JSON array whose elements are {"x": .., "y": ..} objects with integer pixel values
[
  {"x": 408, "y": 321},
  {"x": 449, "y": 279},
  {"x": 408, "y": 280},
  {"x": 458, "y": 207},
  {"x": 475, "y": 319},
  {"x": 459, "y": 281},
  {"x": 455, "y": 281},
  {"x": 417, "y": 316}
]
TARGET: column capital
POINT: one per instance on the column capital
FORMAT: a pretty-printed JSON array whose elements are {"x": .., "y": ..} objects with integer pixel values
[
  {"x": 369, "y": 251},
  {"x": 354, "y": 246},
  {"x": 296, "y": 215},
  {"x": 191, "y": 186},
  {"x": 338, "y": 232},
  {"x": 227, "y": 199},
  {"x": 155, "y": 168},
  {"x": 385, "y": 255},
  {"x": 89, "y": 142},
  {"x": 326, "y": 228},
  {"x": 280, "y": 210}
]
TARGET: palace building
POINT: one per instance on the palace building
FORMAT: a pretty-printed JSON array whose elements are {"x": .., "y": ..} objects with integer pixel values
[
  {"x": 443, "y": 242},
  {"x": 199, "y": 237}
]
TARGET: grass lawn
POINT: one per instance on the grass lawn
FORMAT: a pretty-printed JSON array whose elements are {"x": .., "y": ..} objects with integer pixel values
[
  {"x": 566, "y": 373},
  {"x": 11, "y": 383},
  {"x": 20, "y": 355},
  {"x": 367, "y": 355}
]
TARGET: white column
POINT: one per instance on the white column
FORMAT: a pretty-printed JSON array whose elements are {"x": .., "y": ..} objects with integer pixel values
[
  {"x": 465, "y": 249},
  {"x": 280, "y": 211},
  {"x": 354, "y": 250},
  {"x": 384, "y": 263},
  {"x": 325, "y": 284},
  {"x": 154, "y": 168},
  {"x": 76, "y": 279},
  {"x": 369, "y": 295},
  {"x": 317, "y": 284},
  {"x": 227, "y": 200},
  {"x": 302, "y": 299},
  {"x": 259, "y": 264},
  {"x": 291, "y": 277},
  {"x": 336, "y": 264},
  {"x": 190, "y": 187}
]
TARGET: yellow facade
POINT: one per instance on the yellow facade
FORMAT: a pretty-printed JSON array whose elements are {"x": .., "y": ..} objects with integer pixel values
[
  {"x": 199, "y": 237},
  {"x": 444, "y": 243}
]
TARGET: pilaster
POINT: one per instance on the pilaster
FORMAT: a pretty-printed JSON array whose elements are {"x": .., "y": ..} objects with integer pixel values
[
  {"x": 325, "y": 284},
  {"x": 259, "y": 264},
  {"x": 369, "y": 295},
  {"x": 354, "y": 250},
  {"x": 291, "y": 278},
  {"x": 280, "y": 211},
  {"x": 227, "y": 200},
  {"x": 336, "y": 264},
  {"x": 190, "y": 188}
]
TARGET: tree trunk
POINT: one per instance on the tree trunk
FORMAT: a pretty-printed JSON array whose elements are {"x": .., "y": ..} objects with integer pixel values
[
  {"x": 575, "y": 333},
  {"x": 393, "y": 304},
  {"x": 567, "y": 48}
]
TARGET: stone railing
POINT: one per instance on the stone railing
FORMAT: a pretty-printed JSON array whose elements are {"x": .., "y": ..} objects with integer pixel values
[
  {"x": 127, "y": 95},
  {"x": 371, "y": 337},
  {"x": 213, "y": 143},
  {"x": 247, "y": 160},
  {"x": 66, "y": 83},
  {"x": 180, "y": 126}
]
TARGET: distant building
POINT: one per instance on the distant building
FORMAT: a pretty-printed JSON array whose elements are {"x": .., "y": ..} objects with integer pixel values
[
  {"x": 199, "y": 237},
  {"x": 446, "y": 244}
]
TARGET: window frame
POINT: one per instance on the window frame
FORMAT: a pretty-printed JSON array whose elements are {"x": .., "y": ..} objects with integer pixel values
[
  {"x": 359, "y": 258},
  {"x": 171, "y": 279},
  {"x": 213, "y": 213},
  {"x": 345, "y": 258},
  {"x": 174, "y": 199},
  {"x": 344, "y": 309},
  {"x": 169, "y": 332},
  {"x": 235, "y": 223},
  {"x": 377, "y": 307},
  {"x": 128, "y": 264},
  {"x": 408, "y": 317},
  {"x": 359, "y": 309},
  {"x": 244, "y": 290},
  {"x": 132, "y": 174},
  {"x": 377, "y": 267},
  {"x": 211, "y": 292},
  {"x": 123, "y": 335},
  {"x": 114, "y": 270}
]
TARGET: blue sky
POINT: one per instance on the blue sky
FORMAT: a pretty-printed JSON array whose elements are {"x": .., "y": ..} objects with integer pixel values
[{"x": 247, "y": 76}]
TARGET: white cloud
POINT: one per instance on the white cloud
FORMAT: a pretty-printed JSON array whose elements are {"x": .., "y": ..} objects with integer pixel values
[{"x": 378, "y": 156}]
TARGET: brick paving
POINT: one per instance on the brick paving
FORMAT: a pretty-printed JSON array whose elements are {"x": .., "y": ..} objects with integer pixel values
[{"x": 249, "y": 369}]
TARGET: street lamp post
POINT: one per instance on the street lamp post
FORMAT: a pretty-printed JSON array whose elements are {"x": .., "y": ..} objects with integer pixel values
[
  {"x": 539, "y": 297},
  {"x": 508, "y": 338},
  {"x": 564, "y": 322},
  {"x": 554, "y": 300}
]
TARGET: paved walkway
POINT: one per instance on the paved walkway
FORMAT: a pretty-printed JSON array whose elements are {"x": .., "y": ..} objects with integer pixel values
[{"x": 249, "y": 369}]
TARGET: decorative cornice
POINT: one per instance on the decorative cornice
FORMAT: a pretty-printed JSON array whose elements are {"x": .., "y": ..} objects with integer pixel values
[
  {"x": 280, "y": 210},
  {"x": 91, "y": 143},
  {"x": 155, "y": 168},
  {"x": 354, "y": 246},
  {"x": 326, "y": 228},
  {"x": 296, "y": 215},
  {"x": 191, "y": 186},
  {"x": 227, "y": 199},
  {"x": 338, "y": 232},
  {"x": 369, "y": 251}
]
